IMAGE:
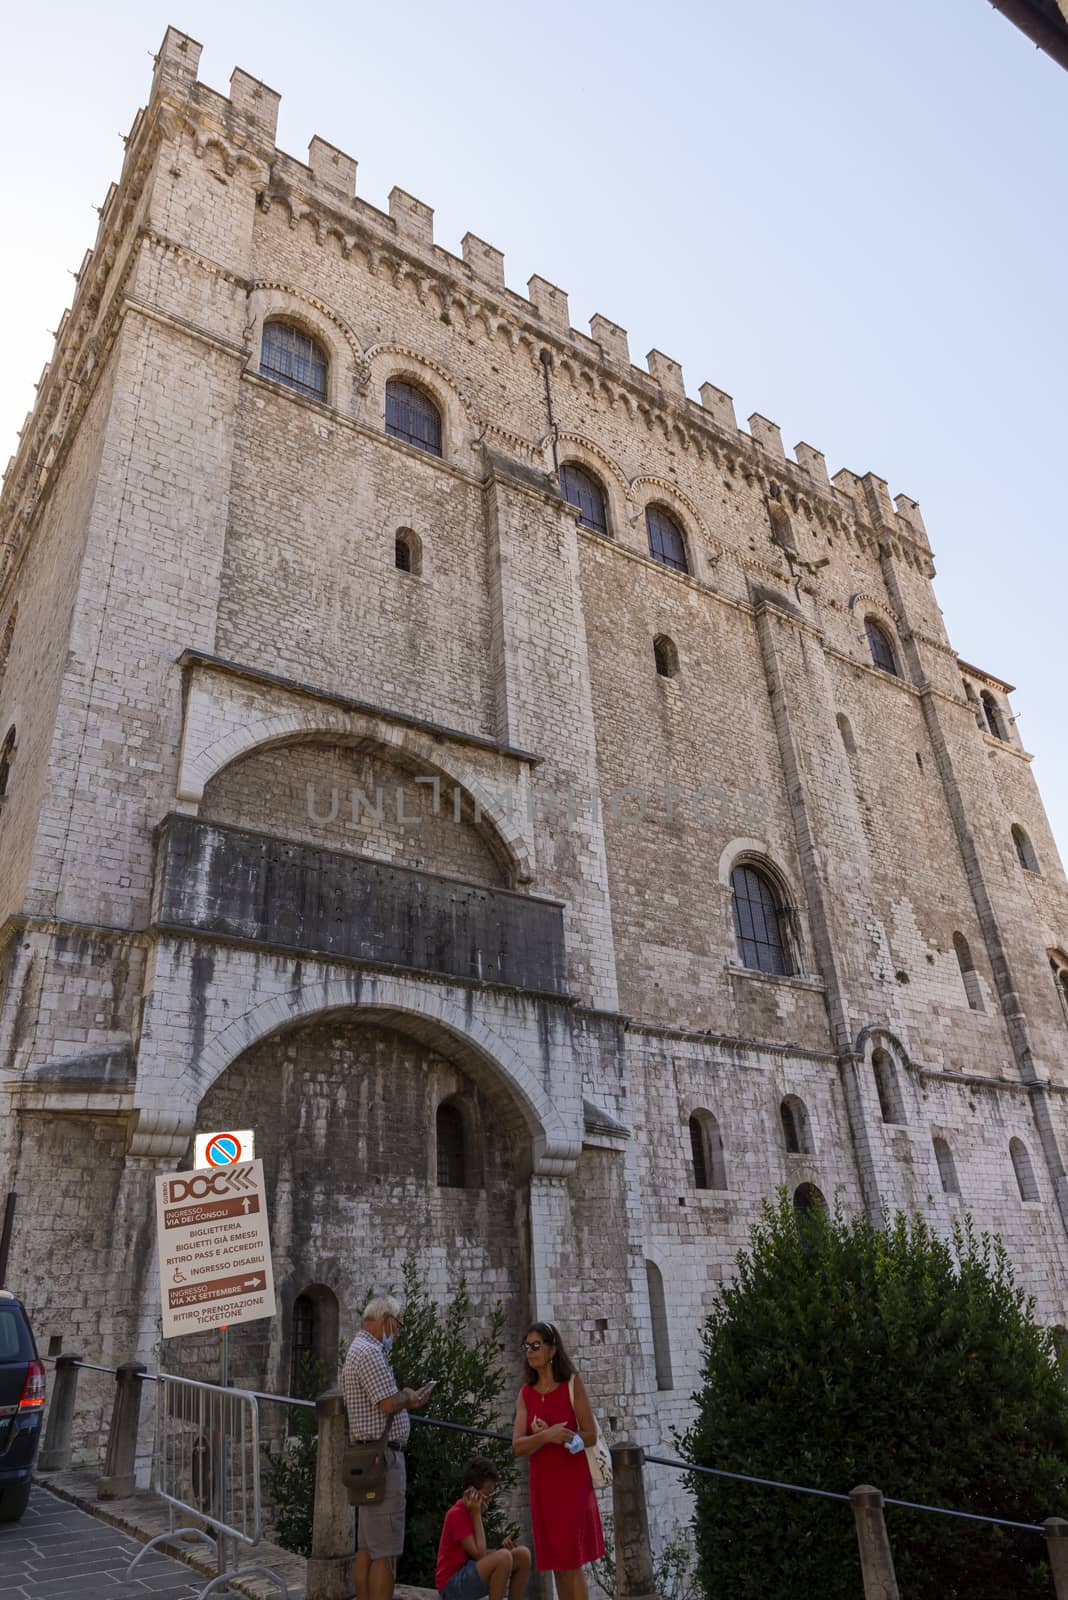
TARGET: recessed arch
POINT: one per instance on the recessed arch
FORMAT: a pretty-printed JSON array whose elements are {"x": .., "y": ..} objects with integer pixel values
[
  {"x": 796, "y": 1126},
  {"x": 992, "y": 715},
  {"x": 7, "y": 760},
  {"x": 1026, "y": 1182},
  {"x": 969, "y": 976},
  {"x": 314, "y": 1331},
  {"x": 845, "y": 729},
  {"x": 809, "y": 1201},
  {"x": 665, "y": 656},
  {"x": 706, "y": 1151},
  {"x": 654, "y": 1280},
  {"x": 1025, "y": 850},
  {"x": 881, "y": 647},
  {"x": 292, "y": 357},
  {"x": 348, "y": 366},
  {"x": 7, "y": 639},
  {"x": 764, "y": 918},
  {"x": 450, "y": 1026},
  {"x": 413, "y": 415},
  {"x": 947, "y": 1168},
  {"x": 407, "y": 746},
  {"x": 408, "y": 552},
  {"x": 888, "y": 1088},
  {"x": 584, "y": 490}
]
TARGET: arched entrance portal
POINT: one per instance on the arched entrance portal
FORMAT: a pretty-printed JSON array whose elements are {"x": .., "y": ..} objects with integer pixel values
[{"x": 345, "y": 1109}]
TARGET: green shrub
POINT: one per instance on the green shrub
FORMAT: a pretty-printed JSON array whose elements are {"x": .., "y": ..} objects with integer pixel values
[{"x": 844, "y": 1354}]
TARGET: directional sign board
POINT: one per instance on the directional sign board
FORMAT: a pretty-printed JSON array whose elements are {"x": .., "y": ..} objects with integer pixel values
[
  {"x": 214, "y": 1248},
  {"x": 219, "y": 1149}
]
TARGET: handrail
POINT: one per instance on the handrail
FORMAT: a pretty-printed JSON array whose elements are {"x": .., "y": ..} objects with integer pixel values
[{"x": 829, "y": 1494}]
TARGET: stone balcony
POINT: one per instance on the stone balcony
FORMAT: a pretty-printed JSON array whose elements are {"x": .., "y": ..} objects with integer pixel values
[{"x": 255, "y": 888}]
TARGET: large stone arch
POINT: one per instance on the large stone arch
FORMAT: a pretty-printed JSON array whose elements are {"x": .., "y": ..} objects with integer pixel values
[
  {"x": 201, "y": 762},
  {"x": 434, "y": 1016}
]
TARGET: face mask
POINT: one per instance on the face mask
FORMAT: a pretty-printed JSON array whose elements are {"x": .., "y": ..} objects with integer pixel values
[{"x": 388, "y": 1340}]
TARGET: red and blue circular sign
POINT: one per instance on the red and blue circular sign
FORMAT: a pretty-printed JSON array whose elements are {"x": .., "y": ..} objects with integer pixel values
[{"x": 223, "y": 1149}]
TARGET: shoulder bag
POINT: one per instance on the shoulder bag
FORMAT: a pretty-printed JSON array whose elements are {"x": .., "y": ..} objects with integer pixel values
[
  {"x": 363, "y": 1469},
  {"x": 597, "y": 1454}
]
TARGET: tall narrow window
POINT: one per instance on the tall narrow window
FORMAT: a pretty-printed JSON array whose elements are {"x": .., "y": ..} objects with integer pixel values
[
  {"x": 947, "y": 1170},
  {"x": 666, "y": 543},
  {"x": 992, "y": 715},
  {"x": 1058, "y": 966},
  {"x": 313, "y": 1353},
  {"x": 882, "y": 651},
  {"x": 796, "y": 1129},
  {"x": 452, "y": 1162},
  {"x": 666, "y": 656},
  {"x": 408, "y": 551},
  {"x": 758, "y": 922},
  {"x": 302, "y": 1378},
  {"x": 581, "y": 490},
  {"x": 887, "y": 1087},
  {"x": 412, "y": 416},
  {"x": 1025, "y": 1172},
  {"x": 846, "y": 731},
  {"x": 706, "y": 1150},
  {"x": 289, "y": 356},
  {"x": 1025, "y": 850},
  {"x": 658, "y": 1313},
  {"x": 969, "y": 976},
  {"x": 7, "y": 758}
]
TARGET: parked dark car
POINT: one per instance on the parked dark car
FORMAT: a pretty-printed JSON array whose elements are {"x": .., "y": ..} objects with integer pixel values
[{"x": 22, "y": 1397}]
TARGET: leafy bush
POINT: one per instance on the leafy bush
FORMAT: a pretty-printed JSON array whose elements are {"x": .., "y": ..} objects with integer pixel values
[{"x": 844, "y": 1354}]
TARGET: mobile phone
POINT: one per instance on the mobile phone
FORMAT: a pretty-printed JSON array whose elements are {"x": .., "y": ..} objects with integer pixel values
[{"x": 425, "y": 1388}]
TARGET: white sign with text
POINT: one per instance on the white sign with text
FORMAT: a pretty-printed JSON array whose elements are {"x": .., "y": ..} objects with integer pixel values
[{"x": 214, "y": 1248}]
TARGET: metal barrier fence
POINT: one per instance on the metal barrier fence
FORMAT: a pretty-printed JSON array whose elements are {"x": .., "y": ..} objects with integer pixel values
[{"x": 198, "y": 1424}]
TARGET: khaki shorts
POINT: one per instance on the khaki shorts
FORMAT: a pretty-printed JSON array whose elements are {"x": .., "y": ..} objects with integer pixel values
[{"x": 381, "y": 1527}]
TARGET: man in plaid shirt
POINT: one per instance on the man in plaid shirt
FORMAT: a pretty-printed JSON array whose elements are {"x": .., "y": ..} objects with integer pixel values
[{"x": 371, "y": 1395}]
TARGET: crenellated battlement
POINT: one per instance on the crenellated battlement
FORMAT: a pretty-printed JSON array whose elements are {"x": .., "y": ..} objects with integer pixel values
[{"x": 322, "y": 190}]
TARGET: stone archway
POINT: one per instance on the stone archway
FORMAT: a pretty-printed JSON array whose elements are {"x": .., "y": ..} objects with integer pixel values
[{"x": 343, "y": 1105}]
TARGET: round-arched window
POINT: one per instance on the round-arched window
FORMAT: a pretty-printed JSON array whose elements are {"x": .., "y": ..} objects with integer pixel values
[
  {"x": 412, "y": 416},
  {"x": 581, "y": 490},
  {"x": 882, "y": 651},
  {"x": 758, "y": 921},
  {"x": 290, "y": 356},
  {"x": 666, "y": 543}
]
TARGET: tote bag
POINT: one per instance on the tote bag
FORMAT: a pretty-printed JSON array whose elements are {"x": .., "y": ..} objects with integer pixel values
[{"x": 597, "y": 1454}]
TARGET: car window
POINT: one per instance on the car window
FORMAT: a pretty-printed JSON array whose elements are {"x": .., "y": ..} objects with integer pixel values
[{"x": 14, "y": 1340}]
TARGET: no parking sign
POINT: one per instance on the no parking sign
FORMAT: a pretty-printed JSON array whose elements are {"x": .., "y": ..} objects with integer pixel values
[{"x": 223, "y": 1149}]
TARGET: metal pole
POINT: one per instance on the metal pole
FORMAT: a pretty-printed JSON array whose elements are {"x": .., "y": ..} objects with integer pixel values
[
  {"x": 329, "y": 1570},
  {"x": 5, "y": 1234},
  {"x": 120, "y": 1462},
  {"x": 1057, "y": 1545},
  {"x": 224, "y": 1375},
  {"x": 634, "y": 1555},
  {"x": 876, "y": 1561},
  {"x": 56, "y": 1447}
]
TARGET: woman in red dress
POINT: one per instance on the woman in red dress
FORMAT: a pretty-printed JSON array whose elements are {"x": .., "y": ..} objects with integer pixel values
[{"x": 563, "y": 1506}]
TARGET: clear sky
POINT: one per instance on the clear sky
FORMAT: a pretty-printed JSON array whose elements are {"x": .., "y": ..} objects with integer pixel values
[{"x": 850, "y": 217}]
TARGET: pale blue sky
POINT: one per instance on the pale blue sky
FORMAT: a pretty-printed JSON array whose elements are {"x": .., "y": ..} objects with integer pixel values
[{"x": 852, "y": 218}]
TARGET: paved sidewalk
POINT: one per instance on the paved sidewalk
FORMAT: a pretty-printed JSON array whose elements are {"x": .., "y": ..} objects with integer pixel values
[{"x": 57, "y": 1552}]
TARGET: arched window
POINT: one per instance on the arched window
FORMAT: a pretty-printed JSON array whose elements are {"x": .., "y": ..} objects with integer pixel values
[
  {"x": 1058, "y": 965},
  {"x": 313, "y": 1350},
  {"x": 6, "y": 642},
  {"x": 290, "y": 356},
  {"x": 808, "y": 1200},
  {"x": 666, "y": 543},
  {"x": 887, "y": 1087},
  {"x": 666, "y": 656},
  {"x": 1025, "y": 850},
  {"x": 796, "y": 1129},
  {"x": 882, "y": 651},
  {"x": 706, "y": 1149},
  {"x": 7, "y": 757},
  {"x": 581, "y": 490},
  {"x": 947, "y": 1170},
  {"x": 408, "y": 551},
  {"x": 452, "y": 1152},
  {"x": 412, "y": 416},
  {"x": 992, "y": 715},
  {"x": 758, "y": 922},
  {"x": 658, "y": 1313},
  {"x": 969, "y": 976},
  {"x": 1025, "y": 1172},
  {"x": 846, "y": 731}
]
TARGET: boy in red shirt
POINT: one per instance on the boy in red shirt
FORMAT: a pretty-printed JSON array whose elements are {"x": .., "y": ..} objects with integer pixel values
[{"x": 466, "y": 1569}]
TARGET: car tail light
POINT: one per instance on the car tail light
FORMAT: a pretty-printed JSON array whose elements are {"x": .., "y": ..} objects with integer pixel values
[{"x": 33, "y": 1390}]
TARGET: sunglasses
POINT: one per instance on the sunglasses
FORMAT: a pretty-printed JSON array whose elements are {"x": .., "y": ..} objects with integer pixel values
[{"x": 534, "y": 1344}]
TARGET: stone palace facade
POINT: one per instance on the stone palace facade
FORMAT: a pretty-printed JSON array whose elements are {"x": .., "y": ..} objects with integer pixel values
[{"x": 552, "y": 817}]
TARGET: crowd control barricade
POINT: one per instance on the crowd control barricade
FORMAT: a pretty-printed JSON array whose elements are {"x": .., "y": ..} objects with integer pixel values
[{"x": 206, "y": 1462}]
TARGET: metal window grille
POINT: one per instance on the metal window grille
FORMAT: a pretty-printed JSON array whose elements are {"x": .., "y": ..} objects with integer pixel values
[
  {"x": 757, "y": 923},
  {"x": 411, "y": 416},
  {"x": 881, "y": 649},
  {"x": 404, "y": 556},
  {"x": 583, "y": 492},
  {"x": 697, "y": 1149},
  {"x": 452, "y": 1166},
  {"x": 666, "y": 543},
  {"x": 291, "y": 357}
]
